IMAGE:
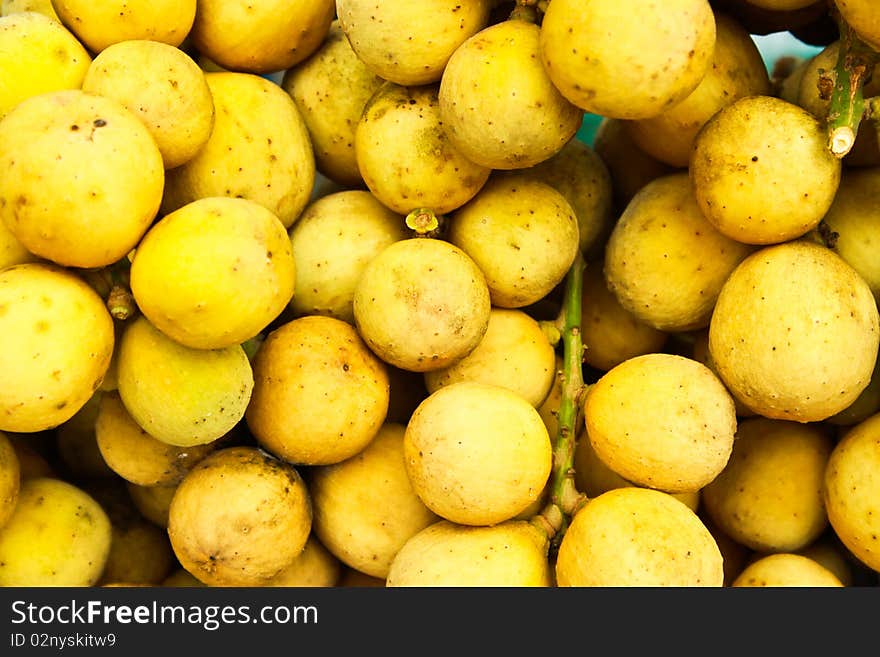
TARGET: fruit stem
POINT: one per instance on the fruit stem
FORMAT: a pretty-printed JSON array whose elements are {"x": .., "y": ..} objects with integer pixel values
[
  {"x": 855, "y": 64},
  {"x": 565, "y": 499},
  {"x": 425, "y": 222}
]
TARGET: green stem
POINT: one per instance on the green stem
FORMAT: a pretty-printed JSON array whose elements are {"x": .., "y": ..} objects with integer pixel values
[
  {"x": 565, "y": 499},
  {"x": 855, "y": 64}
]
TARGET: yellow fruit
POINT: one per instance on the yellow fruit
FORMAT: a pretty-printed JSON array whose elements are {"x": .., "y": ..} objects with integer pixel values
[
  {"x": 794, "y": 334},
  {"x": 140, "y": 554},
  {"x": 509, "y": 554},
  {"x": 497, "y": 104},
  {"x": 152, "y": 502},
  {"x": 101, "y": 24},
  {"x": 58, "y": 339},
  {"x": 163, "y": 87},
  {"x": 315, "y": 566},
  {"x": 421, "y": 304},
  {"x": 214, "y": 273},
  {"x": 26, "y": 71},
  {"x": 786, "y": 569},
  {"x": 477, "y": 454},
  {"x": 365, "y": 508},
  {"x": 851, "y": 491},
  {"x": 239, "y": 518},
  {"x": 17, "y": 6},
  {"x": 638, "y": 537},
  {"x": 662, "y": 421},
  {"x": 81, "y": 177},
  {"x": 320, "y": 395},
  {"x": 259, "y": 149},
  {"x": 58, "y": 535},
  {"x": 636, "y": 70},
  {"x": 260, "y": 37},
  {"x": 179, "y": 395},
  {"x": 769, "y": 496},
  {"x": 10, "y": 479}
]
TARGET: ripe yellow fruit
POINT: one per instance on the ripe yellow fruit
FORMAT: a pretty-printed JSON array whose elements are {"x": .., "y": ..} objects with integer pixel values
[
  {"x": 365, "y": 508},
  {"x": 10, "y": 478},
  {"x": 664, "y": 261},
  {"x": 17, "y": 6},
  {"x": 81, "y": 177},
  {"x": 422, "y": 304},
  {"x": 332, "y": 242},
  {"x": 239, "y": 518},
  {"x": 662, "y": 421},
  {"x": 26, "y": 71},
  {"x": 514, "y": 354},
  {"x": 742, "y": 173},
  {"x": 410, "y": 43},
  {"x": 315, "y": 566},
  {"x": 852, "y": 488},
  {"x": 638, "y": 537},
  {"x": 512, "y": 553},
  {"x": 862, "y": 16},
  {"x": 260, "y": 37},
  {"x": 786, "y": 569},
  {"x": 477, "y": 454},
  {"x": 179, "y": 395},
  {"x": 497, "y": 104},
  {"x": 769, "y": 496},
  {"x": 101, "y": 24},
  {"x": 259, "y": 149},
  {"x": 406, "y": 155},
  {"x": 794, "y": 334},
  {"x": 522, "y": 234},
  {"x": 58, "y": 535},
  {"x": 58, "y": 340},
  {"x": 320, "y": 395},
  {"x": 163, "y": 87},
  {"x": 636, "y": 70},
  {"x": 214, "y": 273},
  {"x": 330, "y": 90}
]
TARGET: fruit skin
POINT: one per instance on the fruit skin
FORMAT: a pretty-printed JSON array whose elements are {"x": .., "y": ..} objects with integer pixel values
[
  {"x": 58, "y": 339},
  {"x": 769, "y": 496},
  {"x": 664, "y": 261},
  {"x": 406, "y": 156},
  {"x": 509, "y": 554},
  {"x": 365, "y": 508},
  {"x": 320, "y": 395},
  {"x": 852, "y": 489},
  {"x": 315, "y": 566},
  {"x": 330, "y": 90},
  {"x": 101, "y": 24},
  {"x": 638, "y": 537},
  {"x": 410, "y": 43},
  {"x": 786, "y": 569},
  {"x": 742, "y": 174},
  {"x": 662, "y": 421},
  {"x": 81, "y": 178},
  {"x": 44, "y": 7},
  {"x": 239, "y": 518},
  {"x": 737, "y": 71},
  {"x": 522, "y": 234},
  {"x": 794, "y": 334},
  {"x": 179, "y": 395},
  {"x": 332, "y": 242},
  {"x": 498, "y": 107},
  {"x": 477, "y": 454},
  {"x": 58, "y": 535},
  {"x": 162, "y": 86},
  {"x": 25, "y": 38},
  {"x": 635, "y": 71},
  {"x": 422, "y": 304},
  {"x": 259, "y": 149},
  {"x": 214, "y": 273},
  {"x": 279, "y": 34},
  {"x": 10, "y": 479},
  {"x": 514, "y": 354},
  {"x": 862, "y": 16}
]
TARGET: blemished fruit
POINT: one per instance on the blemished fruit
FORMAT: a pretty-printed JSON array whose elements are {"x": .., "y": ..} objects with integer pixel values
[
  {"x": 790, "y": 309},
  {"x": 239, "y": 518},
  {"x": 638, "y": 537},
  {"x": 786, "y": 569}
]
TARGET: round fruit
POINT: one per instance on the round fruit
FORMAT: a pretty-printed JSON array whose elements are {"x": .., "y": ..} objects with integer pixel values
[{"x": 786, "y": 569}]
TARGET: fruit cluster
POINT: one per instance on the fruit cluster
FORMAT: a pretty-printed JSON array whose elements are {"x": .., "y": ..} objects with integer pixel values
[{"x": 331, "y": 293}]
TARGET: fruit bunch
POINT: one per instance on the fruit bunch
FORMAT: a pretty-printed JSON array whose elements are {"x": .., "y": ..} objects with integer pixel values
[{"x": 328, "y": 293}]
